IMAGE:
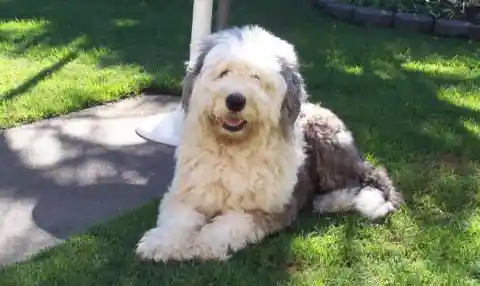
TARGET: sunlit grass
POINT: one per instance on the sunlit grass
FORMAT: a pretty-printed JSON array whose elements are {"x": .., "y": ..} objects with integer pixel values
[{"x": 54, "y": 63}]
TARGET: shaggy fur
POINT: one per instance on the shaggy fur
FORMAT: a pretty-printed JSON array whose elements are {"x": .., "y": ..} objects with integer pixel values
[{"x": 242, "y": 175}]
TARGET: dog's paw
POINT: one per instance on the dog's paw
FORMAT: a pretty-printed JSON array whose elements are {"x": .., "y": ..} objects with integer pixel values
[
  {"x": 157, "y": 245},
  {"x": 207, "y": 250},
  {"x": 372, "y": 203},
  {"x": 382, "y": 211},
  {"x": 212, "y": 243}
]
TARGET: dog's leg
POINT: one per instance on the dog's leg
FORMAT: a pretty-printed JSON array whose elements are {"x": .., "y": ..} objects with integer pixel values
[
  {"x": 368, "y": 201},
  {"x": 346, "y": 181},
  {"x": 170, "y": 239},
  {"x": 374, "y": 196},
  {"x": 233, "y": 231}
]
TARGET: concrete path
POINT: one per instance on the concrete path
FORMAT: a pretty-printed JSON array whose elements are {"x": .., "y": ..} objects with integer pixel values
[{"x": 61, "y": 176}]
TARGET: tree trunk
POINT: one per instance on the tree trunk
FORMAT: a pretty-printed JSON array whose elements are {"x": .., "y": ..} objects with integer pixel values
[{"x": 223, "y": 10}]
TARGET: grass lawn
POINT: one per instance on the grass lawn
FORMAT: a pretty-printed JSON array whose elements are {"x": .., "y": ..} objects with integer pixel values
[
  {"x": 59, "y": 56},
  {"x": 413, "y": 102}
]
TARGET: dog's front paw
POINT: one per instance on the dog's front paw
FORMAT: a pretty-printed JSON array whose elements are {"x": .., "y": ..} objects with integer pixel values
[
  {"x": 211, "y": 245},
  {"x": 207, "y": 251},
  {"x": 157, "y": 245}
]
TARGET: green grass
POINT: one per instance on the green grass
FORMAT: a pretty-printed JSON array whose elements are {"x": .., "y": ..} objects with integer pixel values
[
  {"x": 61, "y": 56},
  {"x": 413, "y": 102}
]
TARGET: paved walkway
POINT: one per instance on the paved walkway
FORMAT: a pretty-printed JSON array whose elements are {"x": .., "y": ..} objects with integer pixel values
[{"x": 61, "y": 176}]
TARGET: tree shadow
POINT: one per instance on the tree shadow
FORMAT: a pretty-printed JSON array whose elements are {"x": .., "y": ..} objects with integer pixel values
[
  {"x": 69, "y": 183},
  {"x": 40, "y": 76},
  {"x": 150, "y": 34}
]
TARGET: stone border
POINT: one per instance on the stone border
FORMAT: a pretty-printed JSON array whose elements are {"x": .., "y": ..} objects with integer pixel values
[{"x": 368, "y": 16}]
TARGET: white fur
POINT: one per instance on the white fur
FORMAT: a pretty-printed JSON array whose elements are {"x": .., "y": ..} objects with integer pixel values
[
  {"x": 336, "y": 201},
  {"x": 371, "y": 203},
  {"x": 344, "y": 138},
  {"x": 368, "y": 201},
  {"x": 256, "y": 172},
  {"x": 228, "y": 232},
  {"x": 256, "y": 48},
  {"x": 176, "y": 227}
]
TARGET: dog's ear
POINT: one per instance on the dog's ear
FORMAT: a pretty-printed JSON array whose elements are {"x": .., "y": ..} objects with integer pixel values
[
  {"x": 193, "y": 70},
  {"x": 294, "y": 97}
]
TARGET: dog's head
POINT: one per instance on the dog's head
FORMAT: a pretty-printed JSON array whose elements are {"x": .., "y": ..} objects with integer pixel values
[{"x": 244, "y": 80}]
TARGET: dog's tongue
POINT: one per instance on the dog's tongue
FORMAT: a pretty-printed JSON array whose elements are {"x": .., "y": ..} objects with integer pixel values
[{"x": 233, "y": 121}]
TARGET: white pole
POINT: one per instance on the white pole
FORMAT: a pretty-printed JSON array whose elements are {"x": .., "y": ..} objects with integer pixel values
[
  {"x": 201, "y": 23},
  {"x": 165, "y": 128}
]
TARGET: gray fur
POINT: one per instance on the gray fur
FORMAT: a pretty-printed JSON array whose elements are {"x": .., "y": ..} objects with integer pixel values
[
  {"x": 294, "y": 97},
  {"x": 335, "y": 177},
  {"x": 192, "y": 73},
  {"x": 341, "y": 179}
]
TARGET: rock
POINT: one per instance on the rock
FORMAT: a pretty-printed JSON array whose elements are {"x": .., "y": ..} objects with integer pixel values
[
  {"x": 452, "y": 28},
  {"x": 373, "y": 17},
  {"x": 414, "y": 22},
  {"x": 341, "y": 11}
]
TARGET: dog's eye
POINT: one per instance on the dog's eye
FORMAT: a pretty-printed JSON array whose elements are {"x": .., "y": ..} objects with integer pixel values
[
  {"x": 256, "y": 77},
  {"x": 223, "y": 73}
]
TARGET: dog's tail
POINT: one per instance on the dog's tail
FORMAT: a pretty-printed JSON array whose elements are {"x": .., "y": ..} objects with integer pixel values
[{"x": 375, "y": 197}]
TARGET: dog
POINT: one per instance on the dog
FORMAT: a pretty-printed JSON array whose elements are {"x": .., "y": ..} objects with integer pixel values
[{"x": 254, "y": 152}]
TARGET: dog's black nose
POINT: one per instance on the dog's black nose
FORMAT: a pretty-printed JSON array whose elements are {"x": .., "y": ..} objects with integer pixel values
[{"x": 235, "y": 102}]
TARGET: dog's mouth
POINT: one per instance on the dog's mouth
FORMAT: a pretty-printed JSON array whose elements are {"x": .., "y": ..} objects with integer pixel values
[{"x": 233, "y": 123}]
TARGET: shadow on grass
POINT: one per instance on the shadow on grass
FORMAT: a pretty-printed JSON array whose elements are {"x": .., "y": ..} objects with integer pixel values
[
  {"x": 42, "y": 75},
  {"x": 154, "y": 35},
  {"x": 404, "y": 97},
  {"x": 149, "y": 39}
]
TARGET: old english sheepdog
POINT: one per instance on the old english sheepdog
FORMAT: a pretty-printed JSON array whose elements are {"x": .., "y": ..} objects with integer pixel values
[{"x": 254, "y": 152}]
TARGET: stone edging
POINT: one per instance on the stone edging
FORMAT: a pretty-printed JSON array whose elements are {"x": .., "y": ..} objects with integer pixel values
[{"x": 405, "y": 21}]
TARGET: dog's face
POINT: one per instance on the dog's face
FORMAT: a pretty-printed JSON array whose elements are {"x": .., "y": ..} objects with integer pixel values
[
  {"x": 239, "y": 85},
  {"x": 237, "y": 96}
]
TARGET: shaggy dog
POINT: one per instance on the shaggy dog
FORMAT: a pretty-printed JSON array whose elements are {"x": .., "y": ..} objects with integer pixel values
[{"x": 254, "y": 152}]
